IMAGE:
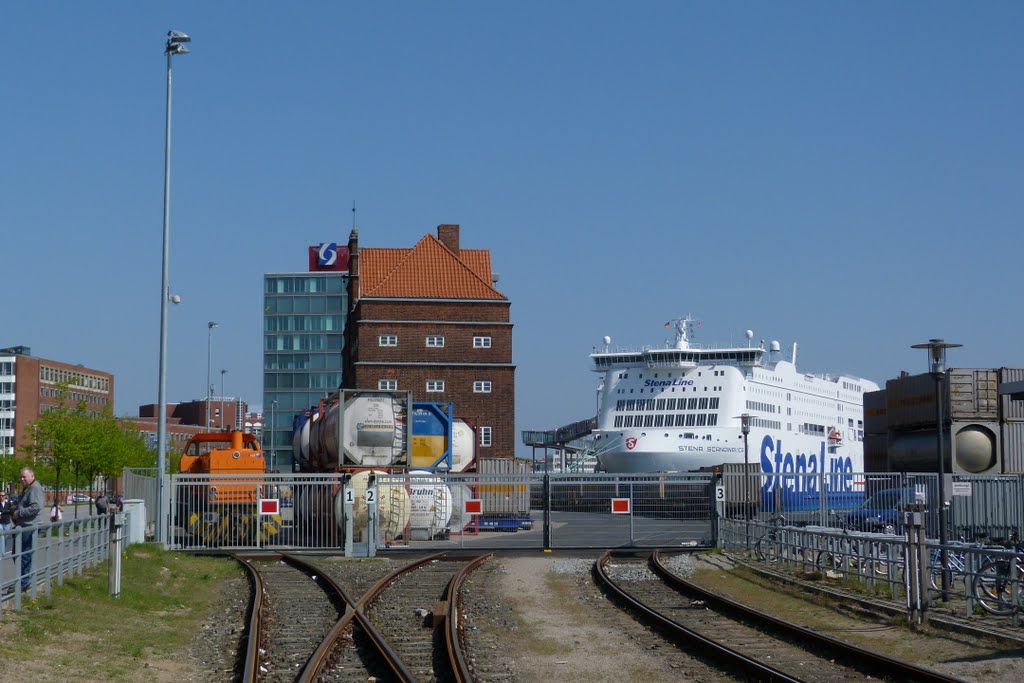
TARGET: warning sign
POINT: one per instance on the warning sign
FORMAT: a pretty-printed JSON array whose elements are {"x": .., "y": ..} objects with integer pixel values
[
  {"x": 620, "y": 506},
  {"x": 270, "y": 506},
  {"x": 474, "y": 506}
]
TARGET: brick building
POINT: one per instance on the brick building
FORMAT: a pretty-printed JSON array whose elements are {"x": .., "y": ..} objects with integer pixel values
[
  {"x": 29, "y": 387},
  {"x": 429, "y": 320}
]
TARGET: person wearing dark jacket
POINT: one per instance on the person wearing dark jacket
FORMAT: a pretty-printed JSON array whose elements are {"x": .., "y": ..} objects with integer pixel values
[
  {"x": 30, "y": 503},
  {"x": 101, "y": 503}
]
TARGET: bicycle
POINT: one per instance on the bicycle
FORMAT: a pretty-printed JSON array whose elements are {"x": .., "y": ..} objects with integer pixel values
[
  {"x": 767, "y": 547},
  {"x": 995, "y": 582},
  {"x": 845, "y": 555}
]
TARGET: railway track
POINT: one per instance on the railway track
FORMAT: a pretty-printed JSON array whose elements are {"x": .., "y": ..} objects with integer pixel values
[
  {"x": 313, "y": 621},
  {"x": 742, "y": 639}
]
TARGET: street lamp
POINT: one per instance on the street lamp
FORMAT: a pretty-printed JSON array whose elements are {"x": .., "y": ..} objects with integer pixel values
[
  {"x": 222, "y": 373},
  {"x": 937, "y": 368},
  {"x": 745, "y": 428},
  {"x": 273, "y": 404},
  {"x": 209, "y": 367},
  {"x": 175, "y": 46}
]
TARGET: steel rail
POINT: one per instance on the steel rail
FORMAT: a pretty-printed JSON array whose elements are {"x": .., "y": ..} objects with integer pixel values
[
  {"x": 861, "y": 658},
  {"x": 452, "y": 629},
  {"x": 733, "y": 657},
  {"x": 254, "y": 628},
  {"x": 355, "y": 615}
]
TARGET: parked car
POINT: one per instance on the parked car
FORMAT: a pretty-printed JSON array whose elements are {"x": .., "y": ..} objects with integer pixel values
[
  {"x": 881, "y": 512},
  {"x": 79, "y": 498}
]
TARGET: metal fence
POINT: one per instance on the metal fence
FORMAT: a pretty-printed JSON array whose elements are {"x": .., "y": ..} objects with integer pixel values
[
  {"x": 981, "y": 508},
  {"x": 58, "y": 550},
  {"x": 981, "y": 580},
  {"x": 430, "y": 511}
]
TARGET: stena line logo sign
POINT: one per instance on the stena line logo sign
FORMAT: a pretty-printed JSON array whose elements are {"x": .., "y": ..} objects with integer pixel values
[
  {"x": 677, "y": 382},
  {"x": 779, "y": 466},
  {"x": 328, "y": 256},
  {"x": 630, "y": 443}
]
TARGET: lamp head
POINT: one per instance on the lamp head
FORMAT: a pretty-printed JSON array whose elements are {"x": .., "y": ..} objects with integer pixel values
[{"x": 175, "y": 43}]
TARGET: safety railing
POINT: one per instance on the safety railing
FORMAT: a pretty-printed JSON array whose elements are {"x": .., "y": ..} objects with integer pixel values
[{"x": 46, "y": 554}]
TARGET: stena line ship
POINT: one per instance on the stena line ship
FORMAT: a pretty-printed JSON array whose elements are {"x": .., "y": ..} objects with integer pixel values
[{"x": 677, "y": 408}]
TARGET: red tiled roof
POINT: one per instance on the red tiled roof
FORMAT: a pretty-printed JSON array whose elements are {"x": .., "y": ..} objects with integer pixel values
[{"x": 427, "y": 271}]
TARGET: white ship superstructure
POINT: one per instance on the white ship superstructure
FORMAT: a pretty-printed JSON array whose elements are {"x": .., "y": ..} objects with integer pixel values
[{"x": 678, "y": 408}]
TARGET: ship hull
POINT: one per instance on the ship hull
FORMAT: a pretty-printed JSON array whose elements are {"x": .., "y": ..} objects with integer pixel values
[{"x": 773, "y": 453}]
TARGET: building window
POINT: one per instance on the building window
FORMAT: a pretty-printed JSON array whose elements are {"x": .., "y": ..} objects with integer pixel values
[
  {"x": 481, "y": 342},
  {"x": 387, "y": 384},
  {"x": 482, "y": 386},
  {"x": 485, "y": 436},
  {"x": 435, "y": 341},
  {"x": 435, "y": 386},
  {"x": 389, "y": 340}
]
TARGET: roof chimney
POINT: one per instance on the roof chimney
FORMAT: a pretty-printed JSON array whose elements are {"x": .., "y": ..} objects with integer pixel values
[{"x": 449, "y": 237}]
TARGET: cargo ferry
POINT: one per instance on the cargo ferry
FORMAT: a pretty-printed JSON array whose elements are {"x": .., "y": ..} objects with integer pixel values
[{"x": 678, "y": 409}]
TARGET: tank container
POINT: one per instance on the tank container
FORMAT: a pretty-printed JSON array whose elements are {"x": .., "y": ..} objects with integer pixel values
[
  {"x": 876, "y": 453},
  {"x": 915, "y": 451},
  {"x": 976, "y": 447}
]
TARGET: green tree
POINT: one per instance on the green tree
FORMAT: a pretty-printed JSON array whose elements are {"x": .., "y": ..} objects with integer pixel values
[{"x": 70, "y": 443}]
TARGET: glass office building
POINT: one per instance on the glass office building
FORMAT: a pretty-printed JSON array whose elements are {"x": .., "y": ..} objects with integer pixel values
[{"x": 303, "y": 333}]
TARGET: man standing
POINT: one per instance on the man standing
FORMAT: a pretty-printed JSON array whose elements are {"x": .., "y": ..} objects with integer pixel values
[
  {"x": 30, "y": 502},
  {"x": 101, "y": 503}
]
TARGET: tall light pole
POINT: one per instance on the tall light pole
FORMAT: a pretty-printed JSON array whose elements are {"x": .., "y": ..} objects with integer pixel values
[
  {"x": 745, "y": 428},
  {"x": 273, "y": 405},
  {"x": 222, "y": 373},
  {"x": 209, "y": 369},
  {"x": 937, "y": 368},
  {"x": 175, "y": 46}
]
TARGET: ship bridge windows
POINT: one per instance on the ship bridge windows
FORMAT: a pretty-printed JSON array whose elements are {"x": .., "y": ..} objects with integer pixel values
[{"x": 812, "y": 429}]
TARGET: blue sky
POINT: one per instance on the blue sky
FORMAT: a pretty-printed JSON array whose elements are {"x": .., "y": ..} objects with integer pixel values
[{"x": 843, "y": 175}]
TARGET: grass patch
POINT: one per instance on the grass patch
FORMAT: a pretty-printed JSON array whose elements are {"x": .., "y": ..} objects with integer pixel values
[{"x": 84, "y": 632}]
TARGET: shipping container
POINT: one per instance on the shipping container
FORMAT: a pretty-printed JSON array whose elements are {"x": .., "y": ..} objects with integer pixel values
[
  {"x": 910, "y": 401},
  {"x": 503, "y": 486},
  {"x": 973, "y": 394},
  {"x": 875, "y": 420},
  {"x": 1010, "y": 410},
  {"x": 1013, "y": 447},
  {"x": 968, "y": 393}
]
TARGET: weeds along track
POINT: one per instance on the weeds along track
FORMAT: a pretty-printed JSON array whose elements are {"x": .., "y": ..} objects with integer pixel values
[
  {"x": 354, "y": 621},
  {"x": 738, "y": 638}
]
